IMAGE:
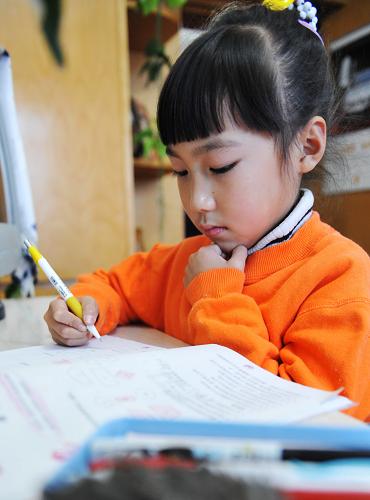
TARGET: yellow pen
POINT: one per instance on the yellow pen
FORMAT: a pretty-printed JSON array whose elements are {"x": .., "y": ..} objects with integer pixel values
[{"x": 73, "y": 304}]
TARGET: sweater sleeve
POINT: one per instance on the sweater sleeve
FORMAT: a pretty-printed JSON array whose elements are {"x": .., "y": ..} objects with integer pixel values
[
  {"x": 130, "y": 291},
  {"x": 328, "y": 347},
  {"x": 221, "y": 314}
]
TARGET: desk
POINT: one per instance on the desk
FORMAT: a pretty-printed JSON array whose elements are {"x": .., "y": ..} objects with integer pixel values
[{"x": 24, "y": 326}]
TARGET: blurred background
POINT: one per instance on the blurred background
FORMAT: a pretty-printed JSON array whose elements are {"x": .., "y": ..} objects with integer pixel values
[{"x": 86, "y": 77}]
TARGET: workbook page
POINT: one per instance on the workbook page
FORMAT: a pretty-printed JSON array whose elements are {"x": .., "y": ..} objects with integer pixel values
[
  {"x": 200, "y": 383},
  {"x": 52, "y": 353},
  {"x": 54, "y": 405}
]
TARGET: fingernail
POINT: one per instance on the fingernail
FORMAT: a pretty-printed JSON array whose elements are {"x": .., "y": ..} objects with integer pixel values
[{"x": 88, "y": 320}]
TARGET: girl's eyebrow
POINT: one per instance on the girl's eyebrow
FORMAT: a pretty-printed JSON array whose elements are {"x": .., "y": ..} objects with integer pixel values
[{"x": 210, "y": 145}]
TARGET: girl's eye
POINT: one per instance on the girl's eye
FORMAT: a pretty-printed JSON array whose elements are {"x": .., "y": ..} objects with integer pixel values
[
  {"x": 223, "y": 170},
  {"x": 214, "y": 170},
  {"x": 179, "y": 173}
]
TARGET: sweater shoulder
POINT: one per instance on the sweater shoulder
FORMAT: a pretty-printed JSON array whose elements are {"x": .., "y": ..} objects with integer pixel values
[
  {"x": 339, "y": 246},
  {"x": 339, "y": 264}
]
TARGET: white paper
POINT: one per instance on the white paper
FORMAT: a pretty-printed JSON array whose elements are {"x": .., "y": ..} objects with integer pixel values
[
  {"x": 55, "y": 402},
  {"x": 55, "y": 354},
  {"x": 201, "y": 383},
  {"x": 33, "y": 441}
]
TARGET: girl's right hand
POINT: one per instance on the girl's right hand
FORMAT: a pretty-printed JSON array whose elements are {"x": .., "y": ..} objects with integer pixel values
[{"x": 66, "y": 328}]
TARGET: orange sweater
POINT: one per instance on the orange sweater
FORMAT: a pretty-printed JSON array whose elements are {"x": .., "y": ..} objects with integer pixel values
[{"x": 301, "y": 309}]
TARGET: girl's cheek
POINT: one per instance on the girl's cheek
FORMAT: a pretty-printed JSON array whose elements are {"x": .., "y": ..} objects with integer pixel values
[{"x": 183, "y": 196}]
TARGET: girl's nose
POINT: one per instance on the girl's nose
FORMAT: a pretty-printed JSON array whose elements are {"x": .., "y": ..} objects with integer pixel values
[{"x": 203, "y": 200}]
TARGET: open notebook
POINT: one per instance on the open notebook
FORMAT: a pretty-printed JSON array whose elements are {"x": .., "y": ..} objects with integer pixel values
[{"x": 52, "y": 398}]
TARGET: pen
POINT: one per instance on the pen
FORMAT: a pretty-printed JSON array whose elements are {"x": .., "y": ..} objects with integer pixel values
[
  {"x": 71, "y": 301},
  {"x": 322, "y": 454}
]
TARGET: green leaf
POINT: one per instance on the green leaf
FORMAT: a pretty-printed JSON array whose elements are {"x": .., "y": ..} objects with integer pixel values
[
  {"x": 174, "y": 4},
  {"x": 155, "y": 70},
  {"x": 144, "y": 67},
  {"x": 13, "y": 290},
  {"x": 150, "y": 141},
  {"x": 147, "y": 146},
  {"x": 160, "y": 149},
  {"x": 153, "y": 66},
  {"x": 148, "y": 6},
  {"x": 154, "y": 47},
  {"x": 139, "y": 137},
  {"x": 51, "y": 20}
]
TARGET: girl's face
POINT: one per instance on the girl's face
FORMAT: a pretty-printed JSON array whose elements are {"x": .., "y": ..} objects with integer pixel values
[{"x": 232, "y": 185}]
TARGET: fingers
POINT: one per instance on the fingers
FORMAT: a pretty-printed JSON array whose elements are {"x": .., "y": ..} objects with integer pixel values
[
  {"x": 58, "y": 312},
  {"x": 215, "y": 248},
  {"x": 90, "y": 309},
  {"x": 238, "y": 257},
  {"x": 213, "y": 257},
  {"x": 65, "y": 328},
  {"x": 69, "y": 341},
  {"x": 211, "y": 250}
]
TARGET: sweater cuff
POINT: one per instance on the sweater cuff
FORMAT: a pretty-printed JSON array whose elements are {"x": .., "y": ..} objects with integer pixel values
[{"x": 215, "y": 283}]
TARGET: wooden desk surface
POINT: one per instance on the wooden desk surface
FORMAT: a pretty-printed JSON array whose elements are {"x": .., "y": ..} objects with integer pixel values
[{"x": 24, "y": 326}]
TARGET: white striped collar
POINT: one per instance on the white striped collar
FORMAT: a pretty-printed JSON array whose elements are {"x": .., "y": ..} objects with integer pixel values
[{"x": 295, "y": 219}]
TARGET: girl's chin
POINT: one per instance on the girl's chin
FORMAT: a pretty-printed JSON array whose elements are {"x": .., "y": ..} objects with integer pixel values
[{"x": 227, "y": 247}]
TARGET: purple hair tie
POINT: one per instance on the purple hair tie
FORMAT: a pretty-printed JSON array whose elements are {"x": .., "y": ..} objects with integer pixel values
[
  {"x": 310, "y": 27},
  {"x": 307, "y": 12}
]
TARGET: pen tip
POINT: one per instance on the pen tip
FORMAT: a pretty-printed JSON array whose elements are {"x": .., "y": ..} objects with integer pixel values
[{"x": 92, "y": 329}]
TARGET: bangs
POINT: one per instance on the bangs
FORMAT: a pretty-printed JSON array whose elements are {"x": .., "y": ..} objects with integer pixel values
[{"x": 215, "y": 79}]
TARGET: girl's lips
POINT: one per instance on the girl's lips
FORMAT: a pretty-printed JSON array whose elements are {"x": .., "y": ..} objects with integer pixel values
[{"x": 212, "y": 231}]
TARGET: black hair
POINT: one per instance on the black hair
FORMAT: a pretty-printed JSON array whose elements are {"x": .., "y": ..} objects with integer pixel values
[{"x": 258, "y": 67}]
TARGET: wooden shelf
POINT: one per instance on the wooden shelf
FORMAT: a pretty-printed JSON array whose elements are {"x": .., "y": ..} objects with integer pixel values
[
  {"x": 146, "y": 167},
  {"x": 195, "y": 13},
  {"x": 142, "y": 28}
]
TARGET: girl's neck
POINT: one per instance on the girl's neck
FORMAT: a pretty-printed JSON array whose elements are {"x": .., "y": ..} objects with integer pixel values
[{"x": 284, "y": 230}]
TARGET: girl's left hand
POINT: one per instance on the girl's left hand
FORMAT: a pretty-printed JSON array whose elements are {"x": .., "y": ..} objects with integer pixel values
[{"x": 212, "y": 257}]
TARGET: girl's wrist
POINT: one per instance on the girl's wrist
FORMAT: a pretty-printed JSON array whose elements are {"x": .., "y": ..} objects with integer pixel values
[{"x": 215, "y": 283}]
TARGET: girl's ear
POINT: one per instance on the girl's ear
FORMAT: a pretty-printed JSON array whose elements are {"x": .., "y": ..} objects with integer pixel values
[{"x": 313, "y": 143}]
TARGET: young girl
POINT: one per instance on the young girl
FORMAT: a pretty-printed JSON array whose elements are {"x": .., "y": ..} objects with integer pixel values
[{"x": 244, "y": 113}]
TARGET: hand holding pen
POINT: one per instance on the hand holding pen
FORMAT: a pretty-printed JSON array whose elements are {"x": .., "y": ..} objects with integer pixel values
[
  {"x": 70, "y": 321},
  {"x": 66, "y": 328}
]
